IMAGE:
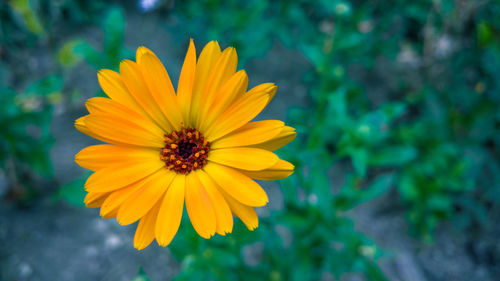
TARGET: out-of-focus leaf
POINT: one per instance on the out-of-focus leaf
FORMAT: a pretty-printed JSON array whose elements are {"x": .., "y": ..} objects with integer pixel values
[
  {"x": 141, "y": 276},
  {"x": 359, "y": 161},
  {"x": 45, "y": 87},
  {"x": 393, "y": 156},
  {"x": 114, "y": 30},
  {"x": 24, "y": 8},
  {"x": 67, "y": 55},
  {"x": 73, "y": 192}
]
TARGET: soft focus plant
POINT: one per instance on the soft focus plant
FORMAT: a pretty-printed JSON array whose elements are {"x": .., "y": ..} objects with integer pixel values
[
  {"x": 113, "y": 49},
  {"x": 25, "y": 137}
]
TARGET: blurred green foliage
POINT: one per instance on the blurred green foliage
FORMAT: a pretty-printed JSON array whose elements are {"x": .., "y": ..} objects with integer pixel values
[
  {"x": 25, "y": 137},
  {"x": 113, "y": 49},
  {"x": 431, "y": 130},
  {"x": 403, "y": 96},
  {"x": 141, "y": 276},
  {"x": 427, "y": 139}
]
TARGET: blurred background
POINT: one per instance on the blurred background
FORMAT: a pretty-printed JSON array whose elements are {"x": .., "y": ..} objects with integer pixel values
[{"x": 396, "y": 104}]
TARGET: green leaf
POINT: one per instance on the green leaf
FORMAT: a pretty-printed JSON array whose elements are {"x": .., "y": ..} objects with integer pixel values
[
  {"x": 45, "y": 87},
  {"x": 68, "y": 54},
  {"x": 393, "y": 156},
  {"x": 378, "y": 187},
  {"x": 114, "y": 33},
  {"x": 359, "y": 158},
  {"x": 73, "y": 192},
  {"x": 408, "y": 189},
  {"x": 141, "y": 276},
  {"x": 484, "y": 34},
  {"x": 30, "y": 19}
]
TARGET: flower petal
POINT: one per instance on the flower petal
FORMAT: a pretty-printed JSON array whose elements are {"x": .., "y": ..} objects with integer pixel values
[
  {"x": 246, "y": 213},
  {"x": 112, "y": 84},
  {"x": 112, "y": 204},
  {"x": 111, "y": 214},
  {"x": 251, "y": 133},
  {"x": 95, "y": 199},
  {"x": 278, "y": 171},
  {"x": 82, "y": 127},
  {"x": 234, "y": 88},
  {"x": 100, "y": 156},
  {"x": 145, "y": 233},
  {"x": 134, "y": 81},
  {"x": 223, "y": 69},
  {"x": 244, "y": 158},
  {"x": 239, "y": 186},
  {"x": 161, "y": 88},
  {"x": 206, "y": 61},
  {"x": 241, "y": 111},
  {"x": 100, "y": 105},
  {"x": 283, "y": 138},
  {"x": 139, "y": 203},
  {"x": 224, "y": 217},
  {"x": 199, "y": 208},
  {"x": 115, "y": 177},
  {"x": 141, "y": 51},
  {"x": 186, "y": 81},
  {"x": 123, "y": 131},
  {"x": 170, "y": 214}
]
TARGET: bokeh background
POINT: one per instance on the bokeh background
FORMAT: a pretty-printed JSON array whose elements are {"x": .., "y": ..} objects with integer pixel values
[{"x": 396, "y": 104}]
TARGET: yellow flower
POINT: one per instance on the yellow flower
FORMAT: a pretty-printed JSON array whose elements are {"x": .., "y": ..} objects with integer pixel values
[{"x": 195, "y": 146}]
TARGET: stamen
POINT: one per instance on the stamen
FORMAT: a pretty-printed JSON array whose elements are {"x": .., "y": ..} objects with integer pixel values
[{"x": 185, "y": 150}]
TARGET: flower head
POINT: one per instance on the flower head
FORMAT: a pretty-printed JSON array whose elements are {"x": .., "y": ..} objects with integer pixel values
[{"x": 195, "y": 146}]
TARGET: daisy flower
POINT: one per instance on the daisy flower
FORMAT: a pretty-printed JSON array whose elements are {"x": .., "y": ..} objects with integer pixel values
[{"x": 195, "y": 146}]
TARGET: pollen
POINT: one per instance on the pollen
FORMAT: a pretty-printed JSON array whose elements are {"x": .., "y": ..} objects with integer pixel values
[{"x": 185, "y": 150}]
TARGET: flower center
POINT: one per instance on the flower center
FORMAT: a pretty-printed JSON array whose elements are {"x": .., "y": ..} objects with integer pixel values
[{"x": 185, "y": 150}]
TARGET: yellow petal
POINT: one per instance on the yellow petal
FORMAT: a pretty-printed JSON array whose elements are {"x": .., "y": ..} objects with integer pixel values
[
  {"x": 278, "y": 171},
  {"x": 115, "y": 177},
  {"x": 139, "y": 203},
  {"x": 100, "y": 105},
  {"x": 133, "y": 79},
  {"x": 239, "y": 186},
  {"x": 82, "y": 127},
  {"x": 206, "y": 61},
  {"x": 240, "y": 112},
  {"x": 234, "y": 88},
  {"x": 245, "y": 158},
  {"x": 224, "y": 217},
  {"x": 170, "y": 214},
  {"x": 112, "y": 204},
  {"x": 251, "y": 133},
  {"x": 142, "y": 51},
  {"x": 199, "y": 208},
  {"x": 100, "y": 156},
  {"x": 161, "y": 88},
  {"x": 112, "y": 84},
  {"x": 283, "y": 138},
  {"x": 186, "y": 81},
  {"x": 95, "y": 199},
  {"x": 223, "y": 69},
  {"x": 145, "y": 233},
  {"x": 111, "y": 214},
  {"x": 246, "y": 213},
  {"x": 123, "y": 131}
]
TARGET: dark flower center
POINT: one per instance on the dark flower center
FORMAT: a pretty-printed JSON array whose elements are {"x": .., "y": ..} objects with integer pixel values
[{"x": 185, "y": 150}]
